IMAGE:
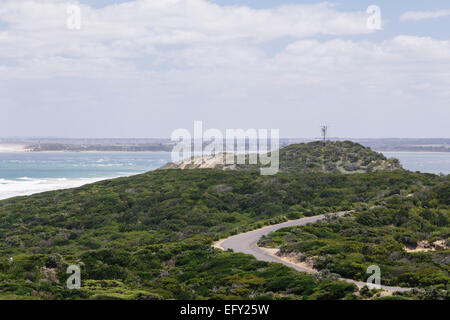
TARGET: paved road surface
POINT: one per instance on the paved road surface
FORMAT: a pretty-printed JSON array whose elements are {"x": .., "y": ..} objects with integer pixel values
[{"x": 247, "y": 243}]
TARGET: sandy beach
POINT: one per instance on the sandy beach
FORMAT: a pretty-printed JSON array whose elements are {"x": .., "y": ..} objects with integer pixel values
[{"x": 5, "y": 147}]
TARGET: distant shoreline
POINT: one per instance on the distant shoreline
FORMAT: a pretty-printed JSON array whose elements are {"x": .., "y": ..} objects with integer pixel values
[
  {"x": 405, "y": 151},
  {"x": 43, "y": 152},
  {"x": 23, "y": 149},
  {"x": 11, "y": 147},
  {"x": 15, "y": 148}
]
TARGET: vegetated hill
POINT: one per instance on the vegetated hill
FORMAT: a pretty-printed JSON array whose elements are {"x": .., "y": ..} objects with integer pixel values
[
  {"x": 334, "y": 157},
  {"x": 149, "y": 236},
  {"x": 331, "y": 157}
]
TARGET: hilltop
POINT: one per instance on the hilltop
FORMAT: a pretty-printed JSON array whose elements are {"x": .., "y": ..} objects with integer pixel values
[
  {"x": 313, "y": 157},
  {"x": 334, "y": 157}
]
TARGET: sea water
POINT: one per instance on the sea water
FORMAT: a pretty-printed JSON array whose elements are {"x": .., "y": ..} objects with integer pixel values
[
  {"x": 25, "y": 173},
  {"x": 431, "y": 162}
]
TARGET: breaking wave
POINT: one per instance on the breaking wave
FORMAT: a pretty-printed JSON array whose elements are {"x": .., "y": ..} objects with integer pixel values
[{"x": 27, "y": 186}]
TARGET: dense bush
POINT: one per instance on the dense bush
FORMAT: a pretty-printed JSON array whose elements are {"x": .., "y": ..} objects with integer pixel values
[
  {"x": 379, "y": 235},
  {"x": 149, "y": 236}
]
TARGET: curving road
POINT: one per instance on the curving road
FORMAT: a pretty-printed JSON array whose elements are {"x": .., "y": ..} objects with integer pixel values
[{"x": 247, "y": 243}]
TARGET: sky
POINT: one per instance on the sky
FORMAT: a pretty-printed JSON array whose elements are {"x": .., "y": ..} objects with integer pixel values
[{"x": 145, "y": 68}]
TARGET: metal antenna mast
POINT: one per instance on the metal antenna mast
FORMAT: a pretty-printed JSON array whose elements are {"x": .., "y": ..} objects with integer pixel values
[{"x": 324, "y": 133}]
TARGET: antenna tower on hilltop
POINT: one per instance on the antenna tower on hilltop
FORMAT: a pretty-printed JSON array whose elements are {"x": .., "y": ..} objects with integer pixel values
[{"x": 324, "y": 133}]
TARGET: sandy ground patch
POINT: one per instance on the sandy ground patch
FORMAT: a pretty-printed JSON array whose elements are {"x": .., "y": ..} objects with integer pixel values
[
  {"x": 291, "y": 258},
  {"x": 5, "y": 147},
  {"x": 424, "y": 246},
  {"x": 218, "y": 244}
]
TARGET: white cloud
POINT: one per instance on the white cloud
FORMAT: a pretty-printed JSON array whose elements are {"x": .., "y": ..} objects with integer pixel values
[
  {"x": 423, "y": 15},
  {"x": 181, "y": 59},
  {"x": 404, "y": 61},
  {"x": 146, "y": 28}
]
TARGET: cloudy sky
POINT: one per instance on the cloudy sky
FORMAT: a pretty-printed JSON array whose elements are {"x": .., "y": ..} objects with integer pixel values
[{"x": 144, "y": 68}]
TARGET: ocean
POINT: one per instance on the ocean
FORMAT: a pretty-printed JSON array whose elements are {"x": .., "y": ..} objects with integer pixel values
[
  {"x": 431, "y": 162},
  {"x": 25, "y": 173}
]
